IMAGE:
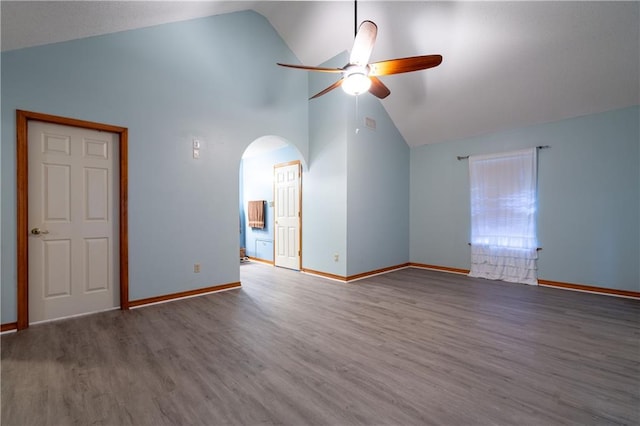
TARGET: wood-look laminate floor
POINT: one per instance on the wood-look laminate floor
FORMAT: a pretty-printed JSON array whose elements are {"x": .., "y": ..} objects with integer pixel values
[{"x": 412, "y": 347}]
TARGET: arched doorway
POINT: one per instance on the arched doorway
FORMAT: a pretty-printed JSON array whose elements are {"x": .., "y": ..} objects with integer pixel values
[{"x": 265, "y": 240}]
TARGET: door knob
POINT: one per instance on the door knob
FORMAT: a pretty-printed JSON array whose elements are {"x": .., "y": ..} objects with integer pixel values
[{"x": 38, "y": 231}]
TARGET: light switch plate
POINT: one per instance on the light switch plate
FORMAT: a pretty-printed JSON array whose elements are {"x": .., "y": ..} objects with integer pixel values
[
  {"x": 196, "y": 153},
  {"x": 196, "y": 144}
]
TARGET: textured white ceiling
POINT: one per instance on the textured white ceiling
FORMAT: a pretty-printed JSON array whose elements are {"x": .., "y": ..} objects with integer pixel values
[{"x": 506, "y": 64}]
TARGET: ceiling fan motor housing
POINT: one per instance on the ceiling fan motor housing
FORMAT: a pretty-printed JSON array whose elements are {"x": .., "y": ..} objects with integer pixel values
[{"x": 356, "y": 79}]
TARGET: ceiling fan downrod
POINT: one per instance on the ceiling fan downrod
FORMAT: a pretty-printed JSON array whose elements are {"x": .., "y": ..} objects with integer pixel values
[{"x": 355, "y": 18}]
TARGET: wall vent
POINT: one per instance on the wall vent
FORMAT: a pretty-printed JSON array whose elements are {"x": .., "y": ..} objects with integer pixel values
[{"x": 370, "y": 123}]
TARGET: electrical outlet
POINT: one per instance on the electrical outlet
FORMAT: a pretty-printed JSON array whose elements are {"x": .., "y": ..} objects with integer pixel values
[
  {"x": 336, "y": 257},
  {"x": 196, "y": 268}
]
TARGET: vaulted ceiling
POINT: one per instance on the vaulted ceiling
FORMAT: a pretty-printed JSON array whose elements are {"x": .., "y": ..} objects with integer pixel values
[{"x": 506, "y": 64}]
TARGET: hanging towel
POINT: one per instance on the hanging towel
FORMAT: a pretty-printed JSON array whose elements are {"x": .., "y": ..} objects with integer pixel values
[{"x": 256, "y": 214}]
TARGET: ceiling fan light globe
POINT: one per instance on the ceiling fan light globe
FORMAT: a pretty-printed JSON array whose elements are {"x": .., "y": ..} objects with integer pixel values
[{"x": 356, "y": 83}]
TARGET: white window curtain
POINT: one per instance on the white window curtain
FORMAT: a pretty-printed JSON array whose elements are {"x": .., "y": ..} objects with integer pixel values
[{"x": 503, "y": 216}]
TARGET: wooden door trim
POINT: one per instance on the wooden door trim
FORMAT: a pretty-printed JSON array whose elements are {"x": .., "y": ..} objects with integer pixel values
[
  {"x": 22, "y": 166},
  {"x": 275, "y": 166}
]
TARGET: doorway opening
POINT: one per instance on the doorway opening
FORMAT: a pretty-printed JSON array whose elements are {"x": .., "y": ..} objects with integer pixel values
[{"x": 268, "y": 241}]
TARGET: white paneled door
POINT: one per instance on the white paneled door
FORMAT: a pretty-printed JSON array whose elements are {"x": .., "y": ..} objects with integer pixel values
[
  {"x": 288, "y": 216},
  {"x": 73, "y": 221}
]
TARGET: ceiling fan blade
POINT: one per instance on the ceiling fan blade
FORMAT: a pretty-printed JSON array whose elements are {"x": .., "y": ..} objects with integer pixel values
[
  {"x": 363, "y": 43},
  {"x": 397, "y": 66},
  {"x": 328, "y": 89},
  {"x": 308, "y": 68},
  {"x": 378, "y": 88}
]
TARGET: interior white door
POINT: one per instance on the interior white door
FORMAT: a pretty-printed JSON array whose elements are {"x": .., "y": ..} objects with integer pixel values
[
  {"x": 288, "y": 216},
  {"x": 73, "y": 219}
]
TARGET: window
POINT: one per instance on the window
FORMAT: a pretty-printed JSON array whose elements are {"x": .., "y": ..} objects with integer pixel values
[{"x": 503, "y": 216}]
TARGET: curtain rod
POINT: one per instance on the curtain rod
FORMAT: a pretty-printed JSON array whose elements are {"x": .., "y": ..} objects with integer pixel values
[{"x": 464, "y": 157}]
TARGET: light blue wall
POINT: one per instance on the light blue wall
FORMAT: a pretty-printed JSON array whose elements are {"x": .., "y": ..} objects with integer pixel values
[
  {"x": 377, "y": 190},
  {"x": 324, "y": 198},
  {"x": 356, "y": 193},
  {"x": 241, "y": 218},
  {"x": 213, "y": 78},
  {"x": 588, "y": 191},
  {"x": 258, "y": 185},
  {"x": 2, "y": 185}
]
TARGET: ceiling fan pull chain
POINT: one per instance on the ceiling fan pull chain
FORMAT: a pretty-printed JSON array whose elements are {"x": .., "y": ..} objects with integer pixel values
[{"x": 357, "y": 117}]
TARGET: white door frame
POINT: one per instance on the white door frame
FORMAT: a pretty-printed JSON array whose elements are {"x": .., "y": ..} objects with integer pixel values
[
  {"x": 22, "y": 126},
  {"x": 275, "y": 234}
]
